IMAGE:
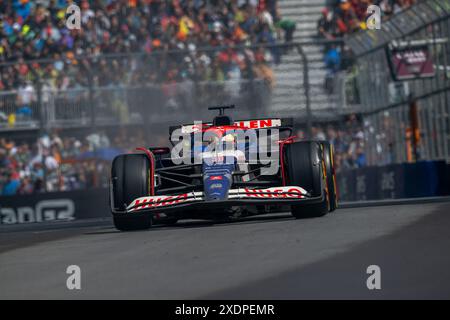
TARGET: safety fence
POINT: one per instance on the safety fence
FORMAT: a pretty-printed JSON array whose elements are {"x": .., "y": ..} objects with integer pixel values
[
  {"x": 400, "y": 84},
  {"x": 19, "y": 110},
  {"x": 119, "y": 105},
  {"x": 116, "y": 89}
]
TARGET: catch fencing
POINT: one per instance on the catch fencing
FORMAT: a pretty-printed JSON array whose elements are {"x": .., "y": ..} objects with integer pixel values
[
  {"x": 145, "y": 93},
  {"x": 404, "y": 120},
  {"x": 117, "y": 105},
  {"x": 168, "y": 86}
]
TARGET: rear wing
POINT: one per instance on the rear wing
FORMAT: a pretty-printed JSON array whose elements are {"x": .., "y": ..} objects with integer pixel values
[{"x": 280, "y": 123}]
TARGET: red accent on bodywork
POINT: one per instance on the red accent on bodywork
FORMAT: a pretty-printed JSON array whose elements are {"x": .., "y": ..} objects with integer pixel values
[
  {"x": 150, "y": 157},
  {"x": 283, "y": 142}
]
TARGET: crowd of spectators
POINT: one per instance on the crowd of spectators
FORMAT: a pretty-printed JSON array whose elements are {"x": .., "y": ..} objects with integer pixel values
[
  {"x": 64, "y": 162},
  {"x": 343, "y": 17},
  {"x": 61, "y": 162},
  {"x": 145, "y": 31},
  {"x": 348, "y": 139},
  {"x": 135, "y": 42}
]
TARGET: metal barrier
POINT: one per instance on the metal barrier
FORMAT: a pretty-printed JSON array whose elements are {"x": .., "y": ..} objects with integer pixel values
[
  {"x": 396, "y": 181},
  {"x": 19, "y": 109},
  {"x": 409, "y": 120},
  {"x": 123, "y": 105},
  {"x": 65, "y": 108}
]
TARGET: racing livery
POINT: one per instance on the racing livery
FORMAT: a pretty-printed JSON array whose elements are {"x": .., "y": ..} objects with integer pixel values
[{"x": 150, "y": 186}]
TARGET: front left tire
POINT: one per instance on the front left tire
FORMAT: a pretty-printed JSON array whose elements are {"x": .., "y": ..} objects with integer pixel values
[
  {"x": 130, "y": 179},
  {"x": 328, "y": 158},
  {"x": 304, "y": 168}
]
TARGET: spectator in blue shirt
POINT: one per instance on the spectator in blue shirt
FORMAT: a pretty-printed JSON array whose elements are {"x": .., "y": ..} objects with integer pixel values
[{"x": 11, "y": 187}]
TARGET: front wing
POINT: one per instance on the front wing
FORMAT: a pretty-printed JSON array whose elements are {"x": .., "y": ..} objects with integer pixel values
[{"x": 286, "y": 195}]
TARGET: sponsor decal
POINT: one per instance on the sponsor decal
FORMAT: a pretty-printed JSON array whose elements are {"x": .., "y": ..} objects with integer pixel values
[
  {"x": 46, "y": 210},
  {"x": 259, "y": 124},
  {"x": 283, "y": 192},
  {"x": 411, "y": 62},
  {"x": 157, "y": 201},
  {"x": 247, "y": 124},
  {"x": 288, "y": 192}
]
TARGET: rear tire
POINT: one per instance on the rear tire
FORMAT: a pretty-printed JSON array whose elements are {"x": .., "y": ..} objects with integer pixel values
[
  {"x": 129, "y": 181},
  {"x": 304, "y": 168},
  {"x": 328, "y": 158}
]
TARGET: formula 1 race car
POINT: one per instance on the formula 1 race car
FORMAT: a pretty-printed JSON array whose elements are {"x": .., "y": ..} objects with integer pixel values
[{"x": 203, "y": 181}]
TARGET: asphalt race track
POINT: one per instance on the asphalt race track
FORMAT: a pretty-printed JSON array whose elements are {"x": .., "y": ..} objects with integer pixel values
[{"x": 266, "y": 257}]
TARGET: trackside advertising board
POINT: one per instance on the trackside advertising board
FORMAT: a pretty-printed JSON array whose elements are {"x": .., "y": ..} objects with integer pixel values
[
  {"x": 54, "y": 206},
  {"x": 411, "y": 63},
  {"x": 409, "y": 180}
]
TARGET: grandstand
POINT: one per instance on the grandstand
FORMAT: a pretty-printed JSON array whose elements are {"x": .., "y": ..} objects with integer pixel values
[{"x": 286, "y": 95}]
